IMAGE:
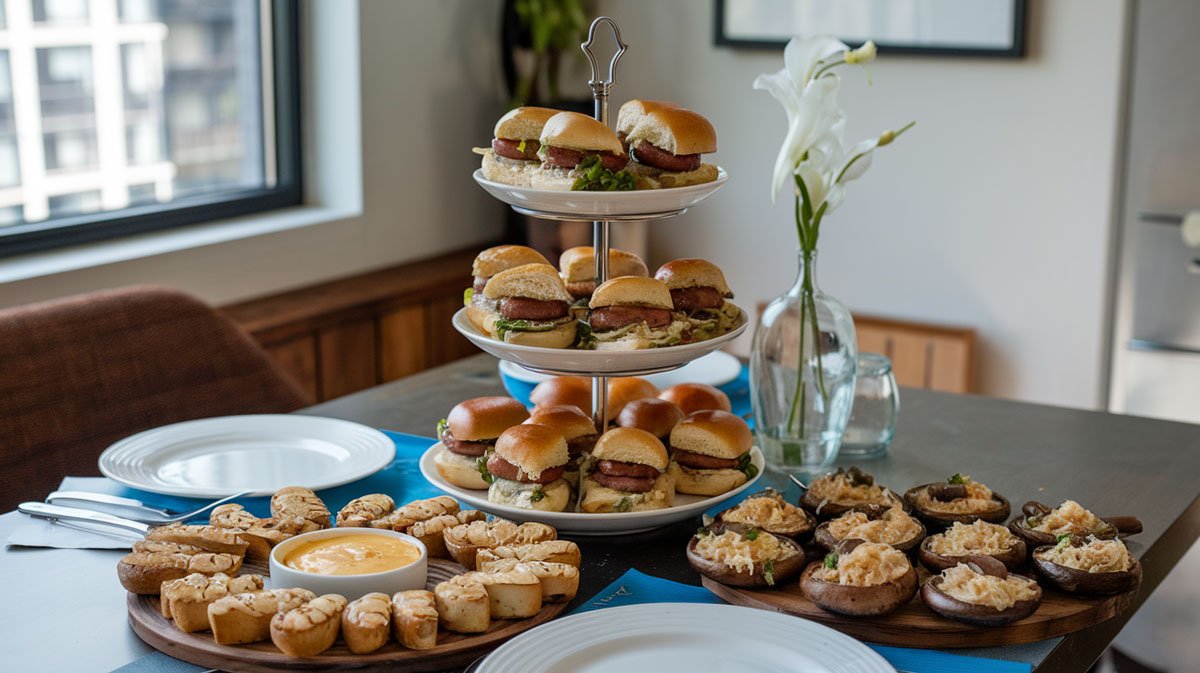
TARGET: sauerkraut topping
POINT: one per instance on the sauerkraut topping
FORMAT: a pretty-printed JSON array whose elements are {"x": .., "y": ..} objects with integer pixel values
[
  {"x": 1069, "y": 518},
  {"x": 978, "y": 498},
  {"x": 968, "y": 586},
  {"x": 766, "y": 512},
  {"x": 893, "y": 527},
  {"x": 845, "y": 489},
  {"x": 743, "y": 551},
  {"x": 1094, "y": 556},
  {"x": 870, "y": 564},
  {"x": 979, "y": 537}
]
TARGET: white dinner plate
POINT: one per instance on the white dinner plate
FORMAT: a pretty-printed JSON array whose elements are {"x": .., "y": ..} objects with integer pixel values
[
  {"x": 580, "y": 523},
  {"x": 571, "y": 205},
  {"x": 217, "y": 457},
  {"x": 595, "y": 363},
  {"x": 682, "y": 638},
  {"x": 715, "y": 369}
]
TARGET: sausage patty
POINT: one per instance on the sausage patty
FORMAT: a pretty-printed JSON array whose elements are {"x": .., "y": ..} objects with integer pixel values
[
  {"x": 582, "y": 288},
  {"x": 472, "y": 449},
  {"x": 615, "y": 317},
  {"x": 698, "y": 461},
  {"x": 508, "y": 149},
  {"x": 524, "y": 308},
  {"x": 580, "y": 445},
  {"x": 561, "y": 157},
  {"x": 616, "y": 468},
  {"x": 506, "y": 470},
  {"x": 627, "y": 484},
  {"x": 690, "y": 299},
  {"x": 659, "y": 158}
]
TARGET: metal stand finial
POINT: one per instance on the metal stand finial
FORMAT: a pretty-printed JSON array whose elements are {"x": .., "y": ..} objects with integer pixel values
[{"x": 600, "y": 88}]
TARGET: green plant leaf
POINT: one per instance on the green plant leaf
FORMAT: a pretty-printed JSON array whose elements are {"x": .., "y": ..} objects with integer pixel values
[
  {"x": 481, "y": 465},
  {"x": 831, "y": 560},
  {"x": 442, "y": 426}
]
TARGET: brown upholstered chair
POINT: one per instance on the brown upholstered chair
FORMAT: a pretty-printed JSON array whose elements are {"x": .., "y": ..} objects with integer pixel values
[{"x": 77, "y": 374}]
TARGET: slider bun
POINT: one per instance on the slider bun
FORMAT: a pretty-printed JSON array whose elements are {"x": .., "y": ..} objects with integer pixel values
[
  {"x": 523, "y": 123},
  {"x": 509, "y": 171},
  {"x": 462, "y": 471},
  {"x": 630, "y": 445},
  {"x": 632, "y": 112},
  {"x": 630, "y": 291},
  {"x": 625, "y": 389},
  {"x": 719, "y": 434},
  {"x": 705, "y": 482},
  {"x": 579, "y": 264},
  {"x": 533, "y": 448},
  {"x": 658, "y": 417},
  {"x": 570, "y": 421},
  {"x": 504, "y": 257},
  {"x": 480, "y": 317},
  {"x": 675, "y": 130},
  {"x": 683, "y": 273},
  {"x": 597, "y": 498},
  {"x": 575, "y": 391},
  {"x": 485, "y": 417},
  {"x": 693, "y": 397},
  {"x": 555, "y": 495},
  {"x": 561, "y": 336},
  {"x": 575, "y": 131},
  {"x": 535, "y": 281}
]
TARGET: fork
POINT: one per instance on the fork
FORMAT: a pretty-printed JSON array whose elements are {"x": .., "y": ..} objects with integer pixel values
[{"x": 142, "y": 513}]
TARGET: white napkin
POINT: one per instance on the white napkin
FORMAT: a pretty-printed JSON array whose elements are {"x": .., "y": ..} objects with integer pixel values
[{"x": 42, "y": 533}]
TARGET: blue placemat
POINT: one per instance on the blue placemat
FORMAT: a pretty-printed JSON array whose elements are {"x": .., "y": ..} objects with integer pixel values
[
  {"x": 635, "y": 587},
  {"x": 401, "y": 479},
  {"x": 738, "y": 391}
]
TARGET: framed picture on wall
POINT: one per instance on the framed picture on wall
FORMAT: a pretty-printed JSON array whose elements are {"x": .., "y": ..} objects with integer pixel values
[{"x": 994, "y": 28}]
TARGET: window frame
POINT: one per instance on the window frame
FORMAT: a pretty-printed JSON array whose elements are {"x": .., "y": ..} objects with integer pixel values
[{"x": 68, "y": 231}]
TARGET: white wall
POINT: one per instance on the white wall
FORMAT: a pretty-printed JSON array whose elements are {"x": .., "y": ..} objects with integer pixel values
[
  {"x": 994, "y": 212},
  {"x": 394, "y": 165}
]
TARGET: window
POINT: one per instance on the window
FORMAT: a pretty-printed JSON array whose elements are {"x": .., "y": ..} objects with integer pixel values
[{"x": 123, "y": 116}]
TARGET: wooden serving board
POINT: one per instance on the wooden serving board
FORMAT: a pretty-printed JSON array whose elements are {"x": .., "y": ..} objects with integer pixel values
[
  {"x": 452, "y": 650},
  {"x": 915, "y": 625}
]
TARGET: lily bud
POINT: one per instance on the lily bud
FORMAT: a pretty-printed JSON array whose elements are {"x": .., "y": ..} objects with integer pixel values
[
  {"x": 886, "y": 138},
  {"x": 863, "y": 55}
]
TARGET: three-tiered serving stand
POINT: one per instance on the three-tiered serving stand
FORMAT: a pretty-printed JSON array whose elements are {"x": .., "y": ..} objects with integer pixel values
[{"x": 604, "y": 208}]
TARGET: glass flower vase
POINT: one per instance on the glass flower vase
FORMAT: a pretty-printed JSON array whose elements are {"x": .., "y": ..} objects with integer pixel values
[{"x": 802, "y": 368}]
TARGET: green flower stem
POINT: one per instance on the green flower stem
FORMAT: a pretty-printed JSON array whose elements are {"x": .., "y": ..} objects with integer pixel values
[{"x": 808, "y": 226}]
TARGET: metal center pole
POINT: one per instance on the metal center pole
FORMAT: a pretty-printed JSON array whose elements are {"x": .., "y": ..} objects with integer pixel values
[{"x": 600, "y": 244}]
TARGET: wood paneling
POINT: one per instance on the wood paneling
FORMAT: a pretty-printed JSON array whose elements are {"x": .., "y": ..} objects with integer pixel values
[
  {"x": 339, "y": 337},
  {"x": 923, "y": 355},
  {"x": 347, "y": 358},
  {"x": 298, "y": 357},
  {"x": 403, "y": 343}
]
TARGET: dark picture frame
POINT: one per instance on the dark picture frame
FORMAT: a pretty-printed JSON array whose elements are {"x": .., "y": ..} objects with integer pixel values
[{"x": 1015, "y": 48}]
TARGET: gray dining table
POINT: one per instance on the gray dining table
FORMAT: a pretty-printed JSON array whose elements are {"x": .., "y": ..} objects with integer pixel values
[{"x": 66, "y": 611}]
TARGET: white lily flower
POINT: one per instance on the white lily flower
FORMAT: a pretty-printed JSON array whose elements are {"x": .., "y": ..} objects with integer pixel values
[
  {"x": 863, "y": 55},
  {"x": 811, "y": 105}
]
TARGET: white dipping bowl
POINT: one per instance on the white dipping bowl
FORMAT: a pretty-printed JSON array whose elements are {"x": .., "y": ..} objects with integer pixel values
[{"x": 411, "y": 576}]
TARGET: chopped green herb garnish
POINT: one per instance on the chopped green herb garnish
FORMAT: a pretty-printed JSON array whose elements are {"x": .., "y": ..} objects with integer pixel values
[
  {"x": 1064, "y": 540},
  {"x": 595, "y": 177},
  {"x": 957, "y": 478},
  {"x": 769, "y": 572},
  {"x": 583, "y": 337},
  {"x": 746, "y": 467},
  {"x": 831, "y": 560},
  {"x": 442, "y": 426},
  {"x": 751, "y": 534},
  {"x": 481, "y": 465},
  {"x": 623, "y": 504},
  {"x": 702, "y": 531},
  {"x": 537, "y": 494},
  {"x": 468, "y": 295}
]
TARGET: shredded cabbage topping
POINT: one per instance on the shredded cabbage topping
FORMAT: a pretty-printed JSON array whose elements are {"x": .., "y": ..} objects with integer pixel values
[
  {"x": 894, "y": 527},
  {"x": 837, "y": 487},
  {"x": 979, "y": 537},
  {"x": 968, "y": 586},
  {"x": 870, "y": 564},
  {"x": 1069, "y": 518},
  {"x": 742, "y": 553},
  {"x": 1096, "y": 556},
  {"x": 979, "y": 499}
]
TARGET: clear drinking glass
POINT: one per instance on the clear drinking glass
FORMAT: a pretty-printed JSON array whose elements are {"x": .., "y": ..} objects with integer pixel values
[{"x": 876, "y": 405}]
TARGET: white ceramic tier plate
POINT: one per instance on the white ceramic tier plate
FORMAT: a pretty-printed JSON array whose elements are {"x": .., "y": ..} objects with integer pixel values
[
  {"x": 715, "y": 369},
  {"x": 682, "y": 638},
  {"x": 573, "y": 205},
  {"x": 217, "y": 457},
  {"x": 578, "y": 523},
  {"x": 595, "y": 363}
]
